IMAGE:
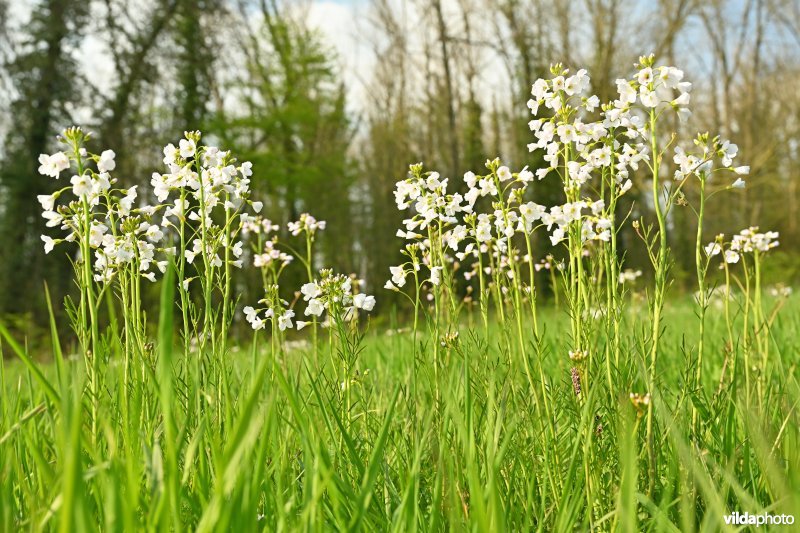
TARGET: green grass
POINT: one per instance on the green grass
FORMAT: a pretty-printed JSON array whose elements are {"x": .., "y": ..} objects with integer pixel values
[{"x": 461, "y": 446}]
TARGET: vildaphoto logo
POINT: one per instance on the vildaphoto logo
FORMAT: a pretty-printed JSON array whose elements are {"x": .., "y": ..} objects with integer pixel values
[{"x": 765, "y": 519}]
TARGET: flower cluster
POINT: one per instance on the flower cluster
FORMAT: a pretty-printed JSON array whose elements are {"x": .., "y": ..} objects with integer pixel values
[
  {"x": 594, "y": 149},
  {"x": 270, "y": 255},
  {"x": 629, "y": 275},
  {"x": 333, "y": 293},
  {"x": 275, "y": 309},
  {"x": 746, "y": 241},
  {"x": 700, "y": 162},
  {"x": 577, "y": 148},
  {"x": 256, "y": 224},
  {"x": 307, "y": 224},
  {"x": 100, "y": 217},
  {"x": 201, "y": 180}
]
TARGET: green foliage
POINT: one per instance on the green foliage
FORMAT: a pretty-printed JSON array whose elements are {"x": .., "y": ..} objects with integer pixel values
[{"x": 285, "y": 456}]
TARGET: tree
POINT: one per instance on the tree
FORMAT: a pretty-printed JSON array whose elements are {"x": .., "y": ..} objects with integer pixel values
[
  {"x": 290, "y": 121},
  {"x": 44, "y": 76}
]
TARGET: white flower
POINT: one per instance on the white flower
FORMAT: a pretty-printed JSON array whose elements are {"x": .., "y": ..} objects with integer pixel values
[
  {"x": 96, "y": 232},
  {"x": 101, "y": 184},
  {"x": 53, "y": 218},
  {"x": 47, "y": 200},
  {"x": 187, "y": 148},
  {"x": 285, "y": 320},
  {"x": 683, "y": 99},
  {"x": 627, "y": 94},
  {"x": 525, "y": 175},
  {"x": 154, "y": 233},
  {"x": 742, "y": 171},
  {"x": 251, "y": 315},
  {"x": 483, "y": 232},
  {"x": 310, "y": 291},
  {"x": 106, "y": 162},
  {"x": 470, "y": 179},
  {"x": 398, "y": 275},
  {"x": 645, "y": 76},
  {"x": 503, "y": 173},
  {"x": 237, "y": 249},
  {"x": 729, "y": 151},
  {"x": 738, "y": 184},
  {"x": 315, "y": 308},
  {"x": 648, "y": 98},
  {"x": 169, "y": 154},
  {"x": 258, "y": 206},
  {"x": 436, "y": 277},
  {"x": 246, "y": 171},
  {"x": 629, "y": 275},
  {"x": 557, "y": 236},
  {"x": 362, "y": 301},
  {"x": 713, "y": 249},
  {"x": 126, "y": 203},
  {"x": 49, "y": 243},
  {"x": 731, "y": 256},
  {"x": 53, "y": 165},
  {"x": 81, "y": 185}
]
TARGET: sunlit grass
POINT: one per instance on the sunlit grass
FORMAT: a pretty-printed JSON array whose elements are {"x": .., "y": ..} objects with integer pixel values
[{"x": 285, "y": 456}]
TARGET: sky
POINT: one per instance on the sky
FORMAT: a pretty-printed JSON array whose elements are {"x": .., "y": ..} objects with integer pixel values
[
  {"x": 336, "y": 20},
  {"x": 344, "y": 25}
]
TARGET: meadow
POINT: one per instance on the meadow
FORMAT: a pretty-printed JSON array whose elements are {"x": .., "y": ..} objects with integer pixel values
[{"x": 485, "y": 404}]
